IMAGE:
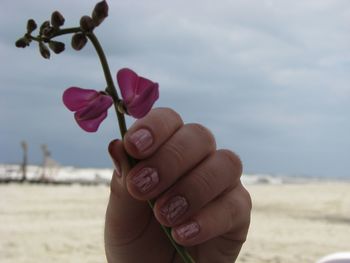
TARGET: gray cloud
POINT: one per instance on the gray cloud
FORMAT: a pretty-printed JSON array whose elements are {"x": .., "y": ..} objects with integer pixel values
[{"x": 269, "y": 78}]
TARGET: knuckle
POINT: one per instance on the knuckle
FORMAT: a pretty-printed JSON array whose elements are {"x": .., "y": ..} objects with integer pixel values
[
  {"x": 167, "y": 120},
  {"x": 243, "y": 205},
  {"x": 233, "y": 210},
  {"x": 175, "y": 151},
  {"x": 204, "y": 133},
  {"x": 237, "y": 208},
  {"x": 247, "y": 198},
  {"x": 233, "y": 160},
  {"x": 168, "y": 113},
  {"x": 114, "y": 186},
  {"x": 238, "y": 233},
  {"x": 159, "y": 120},
  {"x": 203, "y": 180}
]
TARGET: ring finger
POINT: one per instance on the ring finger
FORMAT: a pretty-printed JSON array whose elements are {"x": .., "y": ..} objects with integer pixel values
[{"x": 218, "y": 173}]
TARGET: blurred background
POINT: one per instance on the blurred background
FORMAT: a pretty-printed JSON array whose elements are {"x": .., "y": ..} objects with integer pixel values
[{"x": 270, "y": 78}]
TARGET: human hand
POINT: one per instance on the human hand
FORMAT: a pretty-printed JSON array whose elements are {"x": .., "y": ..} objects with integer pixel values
[{"x": 196, "y": 189}]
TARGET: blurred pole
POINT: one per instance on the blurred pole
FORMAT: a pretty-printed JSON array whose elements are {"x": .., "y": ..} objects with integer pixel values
[
  {"x": 24, "y": 161},
  {"x": 46, "y": 156}
]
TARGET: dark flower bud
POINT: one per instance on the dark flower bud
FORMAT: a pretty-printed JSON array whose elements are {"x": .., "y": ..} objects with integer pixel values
[
  {"x": 23, "y": 42},
  {"x": 56, "y": 46},
  {"x": 44, "y": 26},
  {"x": 48, "y": 31},
  {"x": 100, "y": 12},
  {"x": 44, "y": 51},
  {"x": 31, "y": 26},
  {"x": 79, "y": 40},
  {"x": 87, "y": 24},
  {"x": 57, "y": 19}
]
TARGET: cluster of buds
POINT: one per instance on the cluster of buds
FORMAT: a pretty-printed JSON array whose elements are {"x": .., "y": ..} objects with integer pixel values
[
  {"x": 88, "y": 24},
  {"x": 47, "y": 30},
  {"x": 52, "y": 28},
  {"x": 26, "y": 39}
]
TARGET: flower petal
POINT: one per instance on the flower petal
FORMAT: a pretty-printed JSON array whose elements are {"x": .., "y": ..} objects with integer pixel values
[
  {"x": 95, "y": 107},
  {"x": 75, "y": 98},
  {"x": 91, "y": 125},
  {"x": 127, "y": 81},
  {"x": 147, "y": 94}
]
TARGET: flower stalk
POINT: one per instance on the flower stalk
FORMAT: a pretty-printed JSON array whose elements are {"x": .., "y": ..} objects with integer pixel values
[{"x": 111, "y": 90}]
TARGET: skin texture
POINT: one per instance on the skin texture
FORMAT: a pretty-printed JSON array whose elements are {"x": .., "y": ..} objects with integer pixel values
[{"x": 196, "y": 188}]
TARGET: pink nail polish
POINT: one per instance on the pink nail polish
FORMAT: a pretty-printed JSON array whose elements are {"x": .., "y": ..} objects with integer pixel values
[
  {"x": 145, "y": 180},
  {"x": 188, "y": 231},
  {"x": 174, "y": 208},
  {"x": 141, "y": 139}
]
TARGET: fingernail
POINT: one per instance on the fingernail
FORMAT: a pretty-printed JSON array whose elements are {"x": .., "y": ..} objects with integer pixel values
[
  {"x": 174, "y": 208},
  {"x": 114, "y": 161},
  {"x": 187, "y": 231},
  {"x": 141, "y": 139},
  {"x": 145, "y": 180},
  {"x": 117, "y": 170}
]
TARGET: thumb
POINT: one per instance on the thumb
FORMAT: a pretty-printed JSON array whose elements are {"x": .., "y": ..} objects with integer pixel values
[{"x": 126, "y": 217}]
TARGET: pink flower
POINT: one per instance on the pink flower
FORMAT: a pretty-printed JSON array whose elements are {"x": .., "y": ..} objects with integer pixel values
[
  {"x": 138, "y": 93},
  {"x": 90, "y": 106}
]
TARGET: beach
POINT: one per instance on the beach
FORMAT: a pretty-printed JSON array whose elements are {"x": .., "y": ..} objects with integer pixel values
[
  {"x": 291, "y": 222},
  {"x": 294, "y": 223}
]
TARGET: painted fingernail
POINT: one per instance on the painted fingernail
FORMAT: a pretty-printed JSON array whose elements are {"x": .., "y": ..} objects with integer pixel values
[
  {"x": 117, "y": 170},
  {"x": 145, "y": 180},
  {"x": 142, "y": 139},
  {"x": 187, "y": 231},
  {"x": 115, "y": 162},
  {"x": 174, "y": 208}
]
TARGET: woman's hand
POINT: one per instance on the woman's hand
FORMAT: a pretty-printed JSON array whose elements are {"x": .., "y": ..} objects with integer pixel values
[{"x": 196, "y": 189}]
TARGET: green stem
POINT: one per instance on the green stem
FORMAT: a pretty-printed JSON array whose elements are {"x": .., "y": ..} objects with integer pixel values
[
  {"x": 185, "y": 256},
  {"x": 65, "y": 31},
  {"x": 60, "y": 32},
  {"x": 111, "y": 90}
]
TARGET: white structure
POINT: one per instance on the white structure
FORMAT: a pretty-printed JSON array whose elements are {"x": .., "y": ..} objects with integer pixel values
[{"x": 341, "y": 257}]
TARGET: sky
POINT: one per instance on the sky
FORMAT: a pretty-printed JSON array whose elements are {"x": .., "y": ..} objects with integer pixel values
[{"x": 270, "y": 78}]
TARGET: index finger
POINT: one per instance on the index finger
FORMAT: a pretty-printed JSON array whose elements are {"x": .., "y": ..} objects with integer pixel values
[{"x": 147, "y": 134}]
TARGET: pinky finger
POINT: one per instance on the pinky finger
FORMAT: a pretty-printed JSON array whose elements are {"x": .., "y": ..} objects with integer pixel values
[{"x": 227, "y": 216}]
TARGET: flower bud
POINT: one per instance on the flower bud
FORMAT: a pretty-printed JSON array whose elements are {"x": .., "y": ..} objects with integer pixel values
[
  {"x": 57, "y": 19},
  {"x": 44, "y": 51},
  {"x": 31, "y": 26},
  {"x": 23, "y": 42},
  {"x": 79, "y": 40},
  {"x": 56, "y": 46},
  {"x": 48, "y": 31},
  {"x": 87, "y": 24},
  {"x": 100, "y": 12},
  {"x": 44, "y": 26}
]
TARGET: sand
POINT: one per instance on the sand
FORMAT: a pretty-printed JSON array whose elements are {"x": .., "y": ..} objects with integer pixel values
[
  {"x": 298, "y": 223},
  {"x": 291, "y": 223}
]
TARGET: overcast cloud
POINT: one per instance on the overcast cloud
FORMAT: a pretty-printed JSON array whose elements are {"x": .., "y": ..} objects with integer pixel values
[{"x": 269, "y": 77}]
